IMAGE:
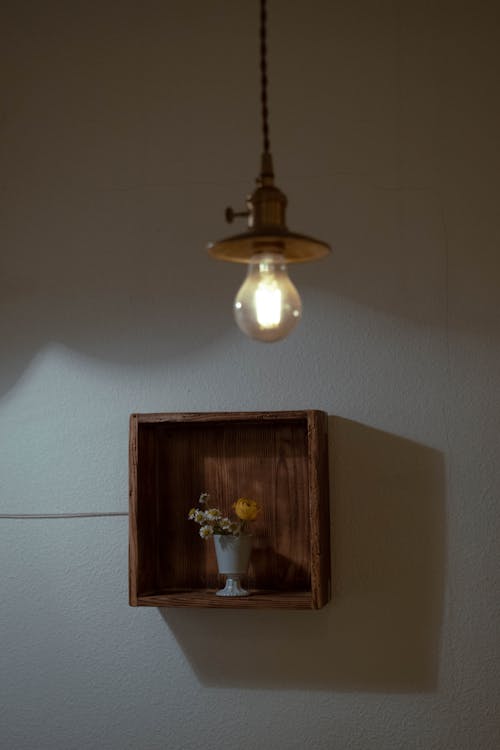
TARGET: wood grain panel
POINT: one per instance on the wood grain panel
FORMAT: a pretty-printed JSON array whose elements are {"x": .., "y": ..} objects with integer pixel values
[{"x": 207, "y": 598}]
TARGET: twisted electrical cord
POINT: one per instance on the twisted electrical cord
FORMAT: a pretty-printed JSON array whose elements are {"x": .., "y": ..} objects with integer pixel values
[{"x": 263, "y": 76}]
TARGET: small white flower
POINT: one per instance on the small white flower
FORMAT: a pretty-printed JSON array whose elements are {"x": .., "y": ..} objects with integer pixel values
[
  {"x": 225, "y": 524},
  {"x": 212, "y": 514},
  {"x": 204, "y": 497},
  {"x": 206, "y": 531},
  {"x": 199, "y": 516}
]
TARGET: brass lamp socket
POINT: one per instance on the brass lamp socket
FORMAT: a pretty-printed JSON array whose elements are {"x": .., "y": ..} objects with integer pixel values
[{"x": 267, "y": 231}]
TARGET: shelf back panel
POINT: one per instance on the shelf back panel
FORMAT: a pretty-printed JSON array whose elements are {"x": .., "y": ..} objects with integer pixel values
[{"x": 262, "y": 460}]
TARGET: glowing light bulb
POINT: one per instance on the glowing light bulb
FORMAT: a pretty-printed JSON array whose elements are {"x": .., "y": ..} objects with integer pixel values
[{"x": 267, "y": 306}]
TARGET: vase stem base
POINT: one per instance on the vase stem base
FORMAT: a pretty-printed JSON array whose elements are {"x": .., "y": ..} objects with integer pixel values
[{"x": 232, "y": 588}]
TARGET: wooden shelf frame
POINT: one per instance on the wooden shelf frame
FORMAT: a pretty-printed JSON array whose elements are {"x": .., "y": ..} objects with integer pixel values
[{"x": 278, "y": 458}]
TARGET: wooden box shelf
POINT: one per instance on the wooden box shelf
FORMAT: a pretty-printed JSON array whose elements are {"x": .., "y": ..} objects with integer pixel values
[{"x": 279, "y": 459}]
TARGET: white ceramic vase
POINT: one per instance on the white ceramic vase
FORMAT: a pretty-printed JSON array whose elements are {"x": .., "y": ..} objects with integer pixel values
[{"x": 233, "y": 556}]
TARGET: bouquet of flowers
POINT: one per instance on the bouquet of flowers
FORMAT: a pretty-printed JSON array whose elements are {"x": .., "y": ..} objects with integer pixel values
[{"x": 212, "y": 521}]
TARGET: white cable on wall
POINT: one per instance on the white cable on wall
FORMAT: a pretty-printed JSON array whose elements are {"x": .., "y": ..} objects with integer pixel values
[{"x": 61, "y": 515}]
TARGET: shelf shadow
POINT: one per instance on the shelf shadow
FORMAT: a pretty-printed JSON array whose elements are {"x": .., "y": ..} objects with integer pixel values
[{"x": 381, "y": 632}]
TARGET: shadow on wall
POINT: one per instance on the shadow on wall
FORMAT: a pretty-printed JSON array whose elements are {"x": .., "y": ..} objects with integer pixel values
[{"x": 381, "y": 632}]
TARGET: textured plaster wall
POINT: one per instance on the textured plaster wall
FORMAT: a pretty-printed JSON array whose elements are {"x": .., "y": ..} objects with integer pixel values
[{"x": 126, "y": 128}]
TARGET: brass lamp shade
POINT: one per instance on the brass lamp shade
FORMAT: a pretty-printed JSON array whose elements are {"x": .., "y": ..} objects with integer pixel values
[{"x": 295, "y": 248}]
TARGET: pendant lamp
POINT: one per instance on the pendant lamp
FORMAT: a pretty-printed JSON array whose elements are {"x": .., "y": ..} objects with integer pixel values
[{"x": 267, "y": 307}]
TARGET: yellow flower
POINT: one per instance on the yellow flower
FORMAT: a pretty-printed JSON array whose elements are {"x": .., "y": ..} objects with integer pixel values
[{"x": 246, "y": 509}]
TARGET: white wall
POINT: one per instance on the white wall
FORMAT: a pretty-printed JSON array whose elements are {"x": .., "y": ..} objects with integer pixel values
[{"x": 126, "y": 128}]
